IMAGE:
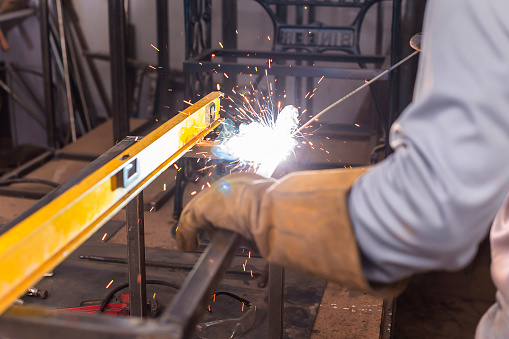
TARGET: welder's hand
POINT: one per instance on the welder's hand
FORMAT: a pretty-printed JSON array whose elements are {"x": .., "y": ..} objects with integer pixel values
[
  {"x": 300, "y": 222},
  {"x": 231, "y": 203}
]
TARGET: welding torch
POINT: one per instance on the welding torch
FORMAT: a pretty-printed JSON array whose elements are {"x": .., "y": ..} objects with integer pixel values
[{"x": 415, "y": 43}]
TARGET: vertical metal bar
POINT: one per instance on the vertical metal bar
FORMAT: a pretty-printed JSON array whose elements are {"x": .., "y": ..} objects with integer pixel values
[
  {"x": 117, "y": 31},
  {"x": 49, "y": 106},
  {"x": 136, "y": 257},
  {"x": 379, "y": 28},
  {"x": 163, "y": 60},
  {"x": 394, "y": 75},
  {"x": 179, "y": 189},
  {"x": 65, "y": 60},
  {"x": 276, "y": 301}
]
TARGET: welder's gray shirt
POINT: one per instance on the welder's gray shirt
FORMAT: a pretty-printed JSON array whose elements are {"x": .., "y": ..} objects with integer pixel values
[{"x": 429, "y": 205}]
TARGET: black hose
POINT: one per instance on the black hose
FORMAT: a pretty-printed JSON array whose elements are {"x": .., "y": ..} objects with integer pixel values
[
  {"x": 164, "y": 283},
  {"x": 121, "y": 287}
]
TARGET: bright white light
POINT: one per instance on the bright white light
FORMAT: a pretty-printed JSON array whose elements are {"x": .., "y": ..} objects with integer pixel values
[{"x": 265, "y": 143}]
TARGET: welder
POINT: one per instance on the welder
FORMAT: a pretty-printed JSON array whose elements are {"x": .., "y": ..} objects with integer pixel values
[{"x": 425, "y": 207}]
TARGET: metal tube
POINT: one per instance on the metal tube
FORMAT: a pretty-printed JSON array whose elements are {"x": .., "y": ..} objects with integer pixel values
[
  {"x": 136, "y": 257},
  {"x": 117, "y": 31},
  {"x": 161, "y": 264},
  {"x": 65, "y": 60}
]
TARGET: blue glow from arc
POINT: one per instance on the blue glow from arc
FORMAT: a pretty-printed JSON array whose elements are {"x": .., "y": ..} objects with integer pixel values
[{"x": 224, "y": 187}]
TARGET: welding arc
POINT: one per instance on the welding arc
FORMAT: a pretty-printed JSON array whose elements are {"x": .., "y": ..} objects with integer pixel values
[{"x": 366, "y": 84}]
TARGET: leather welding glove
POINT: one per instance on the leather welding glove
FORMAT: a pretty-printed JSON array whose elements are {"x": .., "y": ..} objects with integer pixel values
[{"x": 299, "y": 222}]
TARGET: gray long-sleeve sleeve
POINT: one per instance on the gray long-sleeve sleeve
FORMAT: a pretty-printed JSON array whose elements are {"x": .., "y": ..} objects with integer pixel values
[{"x": 430, "y": 203}]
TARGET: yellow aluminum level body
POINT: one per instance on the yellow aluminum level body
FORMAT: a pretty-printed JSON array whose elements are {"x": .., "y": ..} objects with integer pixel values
[{"x": 45, "y": 238}]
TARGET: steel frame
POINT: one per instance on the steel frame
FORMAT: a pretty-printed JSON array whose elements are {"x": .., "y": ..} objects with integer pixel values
[{"x": 66, "y": 217}]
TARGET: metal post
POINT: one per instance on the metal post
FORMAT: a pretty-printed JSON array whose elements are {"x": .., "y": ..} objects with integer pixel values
[
  {"x": 163, "y": 60},
  {"x": 136, "y": 257},
  {"x": 117, "y": 30},
  {"x": 49, "y": 106},
  {"x": 276, "y": 301}
]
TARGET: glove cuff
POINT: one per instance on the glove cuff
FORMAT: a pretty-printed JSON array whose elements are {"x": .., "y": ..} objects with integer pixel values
[{"x": 304, "y": 225}]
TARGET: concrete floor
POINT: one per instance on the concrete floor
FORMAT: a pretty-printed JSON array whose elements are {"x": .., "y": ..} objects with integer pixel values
[{"x": 343, "y": 313}]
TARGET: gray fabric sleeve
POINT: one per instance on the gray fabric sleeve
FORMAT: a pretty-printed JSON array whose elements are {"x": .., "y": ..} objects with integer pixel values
[{"x": 431, "y": 202}]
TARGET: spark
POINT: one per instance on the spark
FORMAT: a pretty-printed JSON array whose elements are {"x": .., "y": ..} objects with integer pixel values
[
  {"x": 321, "y": 78},
  {"x": 152, "y": 67},
  {"x": 154, "y": 296},
  {"x": 220, "y": 44},
  {"x": 263, "y": 142},
  {"x": 152, "y": 208},
  {"x": 193, "y": 192},
  {"x": 218, "y": 87},
  {"x": 357, "y": 125},
  {"x": 104, "y": 236},
  {"x": 164, "y": 187},
  {"x": 157, "y": 49},
  {"x": 111, "y": 282}
]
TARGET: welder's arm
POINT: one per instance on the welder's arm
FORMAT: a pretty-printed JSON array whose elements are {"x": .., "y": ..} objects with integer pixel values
[
  {"x": 299, "y": 222},
  {"x": 431, "y": 203}
]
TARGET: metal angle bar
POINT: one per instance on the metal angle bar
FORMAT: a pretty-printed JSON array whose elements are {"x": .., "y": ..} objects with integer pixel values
[
  {"x": 38, "y": 322},
  {"x": 73, "y": 216},
  {"x": 162, "y": 264},
  {"x": 284, "y": 70},
  {"x": 275, "y": 55},
  {"x": 197, "y": 289},
  {"x": 4, "y": 17}
]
